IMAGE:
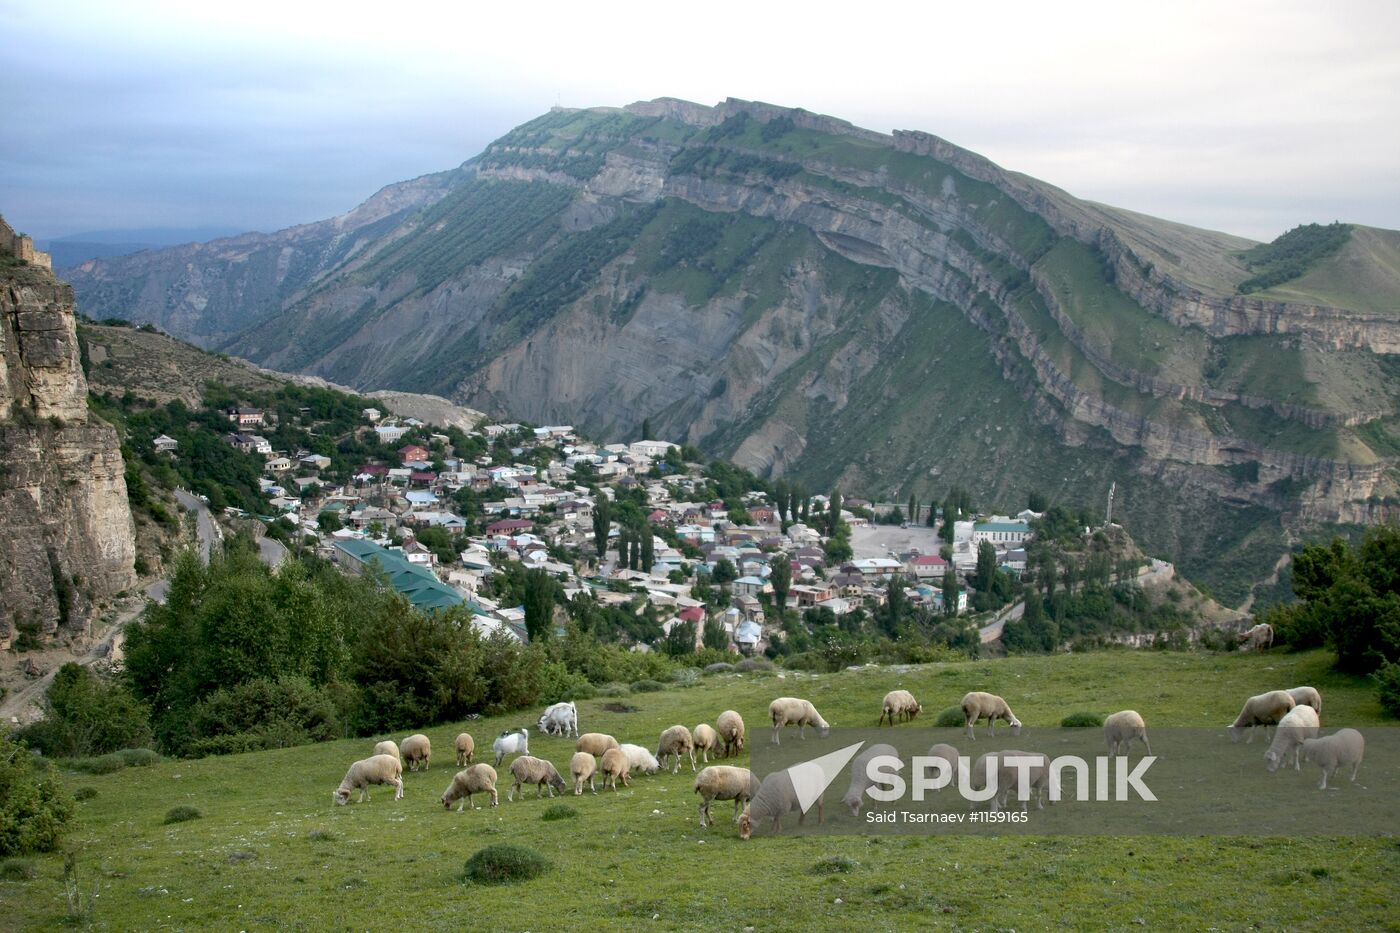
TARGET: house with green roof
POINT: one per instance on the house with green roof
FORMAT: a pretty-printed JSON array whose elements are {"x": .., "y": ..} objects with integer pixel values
[{"x": 422, "y": 587}]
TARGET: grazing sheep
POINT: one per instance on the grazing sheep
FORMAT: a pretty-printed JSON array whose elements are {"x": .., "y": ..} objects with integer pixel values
[
  {"x": 676, "y": 741},
  {"x": 978, "y": 705},
  {"x": 1007, "y": 775},
  {"x": 791, "y": 711},
  {"x": 639, "y": 759},
  {"x": 774, "y": 797},
  {"x": 1121, "y": 728},
  {"x": 478, "y": 779},
  {"x": 1264, "y": 709},
  {"x": 466, "y": 749},
  {"x": 560, "y": 719},
  {"x": 1307, "y": 696},
  {"x": 528, "y": 769},
  {"x": 1300, "y": 723},
  {"x": 730, "y": 727},
  {"x": 582, "y": 767},
  {"x": 414, "y": 749},
  {"x": 387, "y": 747},
  {"x": 724, "y": 782},
  {"x": 1260, "y": 636},
  {"x": 1330, "y": 752},
  {"x": 511, "y": 742},
  {"x": 616, "y": 766},
  {"x": 706, "y": 740},
  {"x": 899, "y": 703},
  {"x": 860, "y": 779},
  {"x": 595, "y": 743},
  {"x": 378, "y": 769}
]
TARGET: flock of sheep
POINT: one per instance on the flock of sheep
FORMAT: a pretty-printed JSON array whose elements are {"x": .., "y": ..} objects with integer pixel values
[{"x": 1294, "y": 714}]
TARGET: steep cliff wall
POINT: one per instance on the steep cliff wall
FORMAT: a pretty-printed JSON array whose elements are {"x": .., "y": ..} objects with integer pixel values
[{"x": 68, "y": 542}]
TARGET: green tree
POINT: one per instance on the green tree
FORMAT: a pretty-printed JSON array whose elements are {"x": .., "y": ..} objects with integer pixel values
[
  {"x": 648, "y": 553},
  {"x": 328, "y": 522},
  {"x": 88, "y": 714},
  {"x": 833, "y": 520},
  {"x": 724, "y": 572},
  {"x": 714, "y": 635},
  {"x": 680, "y": 640},
  {"x": 34, "y": 807},
  {"x": 780, "y": 497},
  {"x": 913, "y": 507},
  {"x": 951, "y": 589},
  {"x": 539, "y": 605},
  {"x": 1036, "y": 502},
  {"x": 896, "y": 607},
  {"x": 985, "y": 575},
  {"x": 781, "y": 578},
  {"x": 602, "y": 524},
  {"x": 646, "y": 429}
]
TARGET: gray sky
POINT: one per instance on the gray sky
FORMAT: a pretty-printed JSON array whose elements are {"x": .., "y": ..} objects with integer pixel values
[{"x": 1240, "y": 116}]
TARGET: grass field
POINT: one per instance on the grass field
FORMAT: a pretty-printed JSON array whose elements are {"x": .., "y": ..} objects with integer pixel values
[{"x": 638, "y": 857}]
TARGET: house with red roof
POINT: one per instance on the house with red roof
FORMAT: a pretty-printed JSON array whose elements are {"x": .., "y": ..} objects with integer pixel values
[{"x": 926, "y": 567}]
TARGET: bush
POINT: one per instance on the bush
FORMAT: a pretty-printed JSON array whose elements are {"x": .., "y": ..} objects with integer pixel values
[
  {"x": 647, "y": 686},
  {"x": 722, "y": 667},
  {"x": 749, "y": 665},
  {"x": 686, "y": 675},
  {"x": 504, "y": 863},
  {"x": 580, "y": 691},
  {"x": 84, "y": 793},
  {"x": 87, "y": 714},
  {"x": 34, "y": 807},
  {"x": 18, "y": 869},
  {"x": 834, "y": 865},
  {"x": 102, "y": 764},
  {"x": 264, "y": 712},
  {"x": 181, "y": 814},
  {"x": 1081, "y": 720},
  {"x": 138, "y": 757},
  {"x": 614, "y": 690},
  {"x": 1388, "y": 681},
  {"x": 1214, "y": 638},
  {"x": 559, "y": 811},
  {"x": 952, "y": 717}
]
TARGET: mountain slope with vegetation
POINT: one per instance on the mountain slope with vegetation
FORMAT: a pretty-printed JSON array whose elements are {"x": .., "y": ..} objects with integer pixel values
[{"x": 890, "y": 313}]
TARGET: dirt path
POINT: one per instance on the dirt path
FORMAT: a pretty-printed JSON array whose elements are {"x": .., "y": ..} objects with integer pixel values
[{"x": 1283, "y": 561}]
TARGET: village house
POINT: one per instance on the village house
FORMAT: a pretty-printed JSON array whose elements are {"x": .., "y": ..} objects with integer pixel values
[
  {"x": 1001, "y": 532},
  {"x": 315, "y": 461},
  {"x": 165, "y": 444},
  {"x": 926, "y": 567},
  {"x": 250, "y": 443},
  {"x": 246, "y": 417},
  {"x": 277, "y": 464},
  {"x": 390, "y": 433}
]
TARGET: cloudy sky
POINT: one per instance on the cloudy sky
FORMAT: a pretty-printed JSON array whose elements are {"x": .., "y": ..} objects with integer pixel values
[{"x": 1241, "y": 116}]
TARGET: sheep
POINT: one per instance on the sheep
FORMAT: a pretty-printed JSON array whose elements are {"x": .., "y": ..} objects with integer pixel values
[
  {"x": 675, "y": 741},
  {"x": 774, "y": 797},
  {"x": 377, "y": 769},
  {"x": 387, "y": 747},
  {"x": 1300, "y": 723},
  {"x": 1008, "y": 775},
  {"x": 860, "y": 779},
  {"x": 414, "y": 749},
  {"x": 724, "y": 782},
  {"x": 511, "y": 742},
  {"x": 528, "y": 769},
  {"x": 582, "y": 767},
  {"x": 560, "y": 719},
  {"x": 1121, "y": 728},
  {"x": 706, "y": 740},
  {"x": 466, "y": 749},
  {"x": 1264, "y": 709},
  {"x": 616, "y": 766},
  {"x": 1260, "y": 636},
  {"x": 787, "y": 711},
  {"x": 639, "y": 759},
  {"x": 595, "y": 743},
  {"x": 478, "y": 779},
  {"x": 899, "y": 703},
  {"x": 978, "y": 705},
  {"x": 730, "y": 727},
  {"x": 1307, "y": 696},
  {"x": 1330, "y": 752}
]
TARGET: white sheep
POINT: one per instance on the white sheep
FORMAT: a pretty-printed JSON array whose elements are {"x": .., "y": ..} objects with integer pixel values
[
  {"x": 774, "y": 797},
  {"x": 377, "y": 769},
  {"x": 478, "y": 779},
  {"x": 1330, "y": 752},
  {"x": 595, "y": 743},
  {"x": 898, "y": 703},
  {"x": 511, "y": 742},
  {"x": 387, "y": 747},
  {"x": 414, "y": 749},
  {"x": 860, "y": 778},
  {"x": 1121, "y": 728},
  {"x": 616, "y": 766},
  {"x": 466, "y": 748},
  {"x": 730, "y": 727},
  {"x": 791, "y": 711},
  {"x": 582, "y": 768},
  {"x": 528, "y": 769},
  {"x": 706, "y": 740},
  {"x": 1300, "y": 723},
  {"x": 724, "y": 782},
  {"x": 1307, "y": 696},
  {"x": 640, "y": 759},
  {"x": 1264, "y": 709},
  {"x": 1007, "y": 776},
  {"x": 676, "y": 741},
  {"x": 1260, "y": 636},
  {"x": 560, "y": 719},
  {"x": 978, "y": 705}
]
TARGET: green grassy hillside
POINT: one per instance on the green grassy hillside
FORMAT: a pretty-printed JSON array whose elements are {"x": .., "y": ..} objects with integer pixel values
[{"x": 272, "y": 852}]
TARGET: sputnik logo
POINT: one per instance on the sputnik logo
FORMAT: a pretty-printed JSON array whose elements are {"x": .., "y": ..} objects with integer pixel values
[{"x": 810, "y": 779}]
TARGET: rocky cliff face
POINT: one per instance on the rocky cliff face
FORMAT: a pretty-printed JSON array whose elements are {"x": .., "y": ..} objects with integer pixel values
[{"x": 68, "y": 535}]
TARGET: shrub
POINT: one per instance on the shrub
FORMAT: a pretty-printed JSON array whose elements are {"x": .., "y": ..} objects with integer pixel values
[
  {"x": 18, "y": 869},
  {"x": 138, "y": 757},
  {"x": 559, "y": 811},
  {"x": 722, "y": 667},
  {"x": 952, "y": 717},
  {"x": 749, "y": 665},
  {"x": 102, "y": 764},
  {"x": 686, "y": 675},
  {"x": 320, "y": 835},
  {"x": 580, "y": 691},
  {"x": 834, "y": 865},
  {"x": 181, "y": 814},
  {"x": 1388, "y": 681},
  {"x": 262, "y": 713},
  {"x": 1081, "y": 720},
  {"x": 614, "y": 690},
  {"x": 34, "y": 807},
  {"x": 87, "y": 714},
  {"x": 84, "y": 793},
  {"x": 504, "y": 863},
  {"x": 647, "y": 686}
]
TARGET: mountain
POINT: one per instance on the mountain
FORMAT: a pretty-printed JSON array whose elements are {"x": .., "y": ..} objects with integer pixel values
[
  {"x": 890, "y": 313},
  {"x": 68, "y": 251}
]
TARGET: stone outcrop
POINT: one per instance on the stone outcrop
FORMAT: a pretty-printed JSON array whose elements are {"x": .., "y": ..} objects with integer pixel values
[{"x": 68, "y": 540}]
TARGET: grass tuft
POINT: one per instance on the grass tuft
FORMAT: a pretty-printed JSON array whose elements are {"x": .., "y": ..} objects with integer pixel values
[
  {"x": 18, "y": 869},
  {"x": 181, "y": 814},
  {"x": 84, "y": 793},
  {"x": 951, "y": 718},
  {"x": 504, "y": 863},
  {"x": 647, "y": 686},
  {"x": 320, "y": 835},
  {"x": 559, "y": 811},
  {"x": 834, "y": 865},
  {"x": 1082, "y": 720}
]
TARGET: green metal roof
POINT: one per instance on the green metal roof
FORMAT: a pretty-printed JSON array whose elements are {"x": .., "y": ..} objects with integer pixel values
[{"x": 414, "y": 581}]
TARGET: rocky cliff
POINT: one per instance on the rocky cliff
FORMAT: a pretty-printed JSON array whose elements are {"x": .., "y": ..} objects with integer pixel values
[{"x": 68, "y": 536}]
